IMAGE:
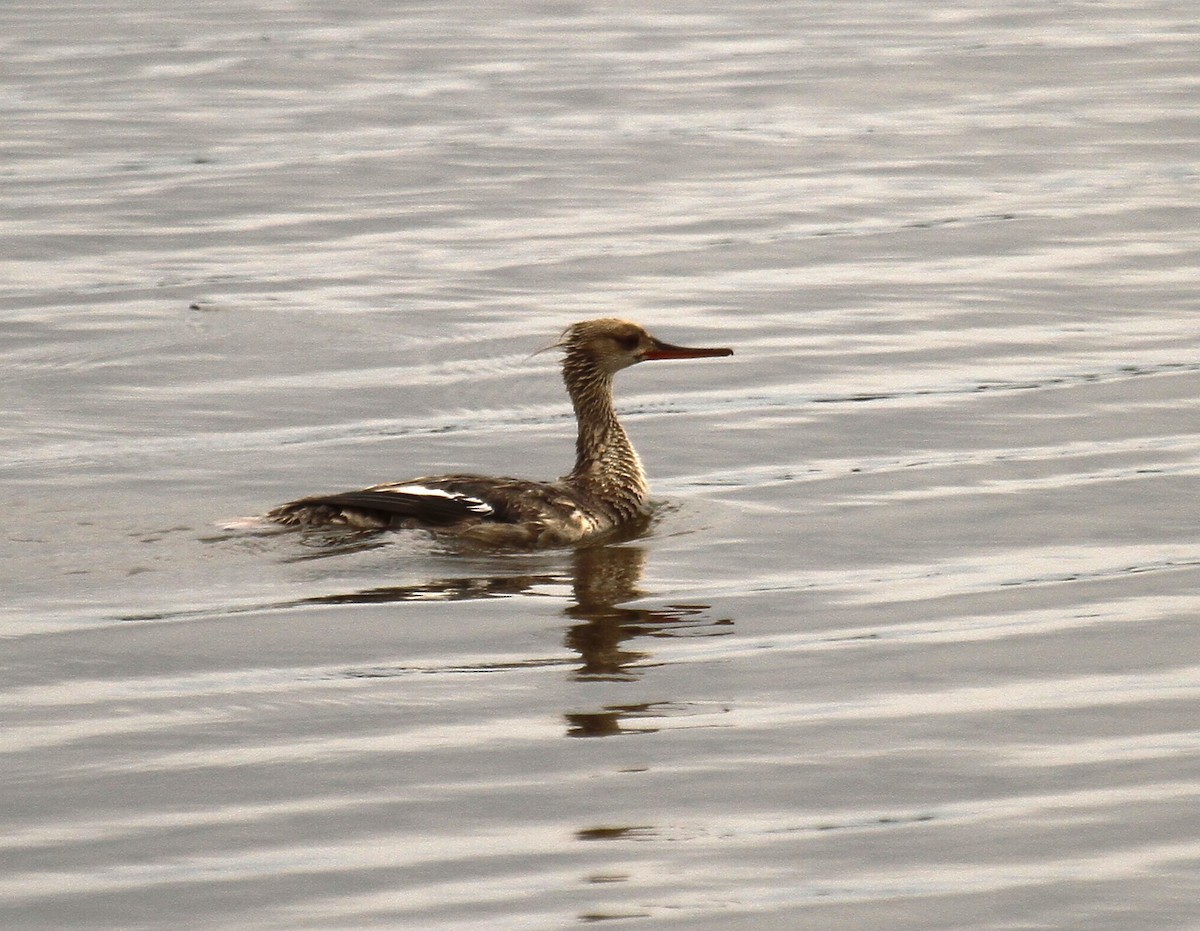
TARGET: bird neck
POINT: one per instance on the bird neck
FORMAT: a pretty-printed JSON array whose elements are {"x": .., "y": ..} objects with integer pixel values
[{"x": 607, "y": 466}]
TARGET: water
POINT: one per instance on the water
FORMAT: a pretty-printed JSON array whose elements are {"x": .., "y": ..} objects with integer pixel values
[{"x": 912, "y": 641}]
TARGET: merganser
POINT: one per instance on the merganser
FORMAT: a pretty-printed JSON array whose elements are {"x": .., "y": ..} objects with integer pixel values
[{"x": 605, "y": 491}]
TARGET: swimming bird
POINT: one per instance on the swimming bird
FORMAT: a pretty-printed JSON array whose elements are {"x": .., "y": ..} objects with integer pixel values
[{"x": 605, "y": 491}]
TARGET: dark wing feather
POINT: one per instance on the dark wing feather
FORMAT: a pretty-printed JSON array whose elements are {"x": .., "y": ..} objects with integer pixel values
[
  {"x": 432, "y": 501},
  {"x": 430, "y": 509}
]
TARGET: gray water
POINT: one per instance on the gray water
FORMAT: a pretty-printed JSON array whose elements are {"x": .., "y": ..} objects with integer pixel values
[{"x": 913, "y": 640}]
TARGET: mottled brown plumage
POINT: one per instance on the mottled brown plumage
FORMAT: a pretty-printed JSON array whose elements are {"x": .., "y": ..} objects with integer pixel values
[{"x": 604, "y": 492}]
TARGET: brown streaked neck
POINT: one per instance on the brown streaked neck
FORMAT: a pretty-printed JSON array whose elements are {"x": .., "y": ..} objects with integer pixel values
[{"x": 607, "y": 466}]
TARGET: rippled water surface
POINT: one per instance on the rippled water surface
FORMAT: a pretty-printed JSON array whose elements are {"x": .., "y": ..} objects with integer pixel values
[{"x": 912, "y": 641}]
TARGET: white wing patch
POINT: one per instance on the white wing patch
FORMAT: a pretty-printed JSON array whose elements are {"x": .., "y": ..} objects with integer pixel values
[{"x": 477, "y": 505}]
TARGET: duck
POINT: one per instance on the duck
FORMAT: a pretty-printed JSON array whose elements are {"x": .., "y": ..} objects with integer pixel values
[{"x": 604, "y": 492}]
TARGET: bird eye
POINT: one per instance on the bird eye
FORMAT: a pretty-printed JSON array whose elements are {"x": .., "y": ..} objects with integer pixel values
[{"x": 628, "y": 341}]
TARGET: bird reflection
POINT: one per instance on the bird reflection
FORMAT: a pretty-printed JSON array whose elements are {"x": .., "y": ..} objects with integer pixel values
[
  {"x": 603, "y": 579},
  {"x": 611, "y": 721}
]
